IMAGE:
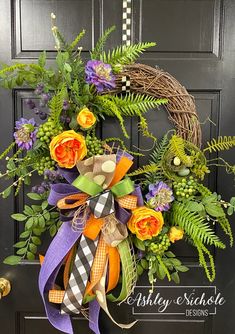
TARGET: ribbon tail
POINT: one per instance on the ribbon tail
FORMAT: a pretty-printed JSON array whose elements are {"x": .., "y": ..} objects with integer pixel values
[
  {"x": 59, "y": 247},
  {"x": 129, "y": 274},
  {"x": 94, "y": 310},
  {"x": 101, "y": 298}
]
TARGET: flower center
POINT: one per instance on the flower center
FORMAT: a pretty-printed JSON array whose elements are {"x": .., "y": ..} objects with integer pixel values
[
  {"x": 102, "y": 71},
  {"x": 162, "y": 197},
  {"x": 23, "y": 135}
]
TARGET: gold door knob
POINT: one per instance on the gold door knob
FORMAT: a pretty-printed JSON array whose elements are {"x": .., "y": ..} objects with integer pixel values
[{"x": 5, "y": 287}]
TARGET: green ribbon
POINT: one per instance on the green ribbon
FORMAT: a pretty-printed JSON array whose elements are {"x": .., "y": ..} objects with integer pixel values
[
  {"x": 129, "y": 276},
  {"x": 123, "y": 187},
  {"x": 87, "y": 186},
  {"x": 91, "y": 188}
]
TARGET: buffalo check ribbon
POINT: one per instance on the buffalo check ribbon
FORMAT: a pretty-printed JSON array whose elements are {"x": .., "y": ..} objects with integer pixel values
[{"x": 78, "y": 279}]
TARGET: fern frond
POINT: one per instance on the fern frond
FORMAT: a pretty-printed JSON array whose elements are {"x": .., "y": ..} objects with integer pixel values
[
  {"x": 99, "y": 48},
  {"x": 204, "y": 191},
  {"x": 145, "y": 169},
  {"x": 56, "y": 106},
  {"x": 7, "y": 150},
  {"x": 75, "y": 42},
  {"x": 126, "y": 54},
  {"x": 201, "y": 251},
  {"x": 225, "y": 225},
  {"x": 143, "y": 126},
  {"x": 12, "y": 68},
  {"x": 110, "y": 109},
  {"x": 156, "y": 158},
  {"x": 136, "y": 104},
  {"x": 159, "y": 150},
  {"x": 194, "y": 225},
  {"x": 123, "y": 146},
  {"x": 177, "y": 148},
  {"x": 220, "y": 144}
]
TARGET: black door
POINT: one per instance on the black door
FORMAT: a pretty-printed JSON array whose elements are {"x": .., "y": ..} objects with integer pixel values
[{"x": 196, "y": 44}]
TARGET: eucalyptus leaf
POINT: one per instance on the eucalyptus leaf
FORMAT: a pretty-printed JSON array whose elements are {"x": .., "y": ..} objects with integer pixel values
[
  {"x": 36, "y": 241},
  {"x": 12, "y": 260},
  {"x": 20, "y": 244},
  {"x": 21, "y": 251},
  {"x": 182, "y": 268},
  {"x": 175, "y": 277},
  {"x": 19, "y": 217},
  {"x": 230, "y": 210},
  {"x": 139, "y": 244},
  {"x": 6, "y": 193},
  {"x": 214, "y": 210},
  {"x": 34, "y": 196},
  {"x": 30, "y": 256},
  {"x": 144, "y": 263}
]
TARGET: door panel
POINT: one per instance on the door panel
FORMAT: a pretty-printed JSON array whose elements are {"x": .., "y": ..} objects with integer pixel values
[{"x": 195, "y": 43}]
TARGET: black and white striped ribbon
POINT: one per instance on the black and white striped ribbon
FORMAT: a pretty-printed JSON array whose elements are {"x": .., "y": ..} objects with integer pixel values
[
  {"x": 126, "y": 37},
  {"x": 78, "y": 279}
]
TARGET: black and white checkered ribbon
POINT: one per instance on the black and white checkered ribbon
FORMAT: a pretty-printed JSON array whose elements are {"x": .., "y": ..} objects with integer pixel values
[
  {"x": 79, "y": 276},
  {"x": 126, "y": 37},
  {"x": 102, "y": 205}
]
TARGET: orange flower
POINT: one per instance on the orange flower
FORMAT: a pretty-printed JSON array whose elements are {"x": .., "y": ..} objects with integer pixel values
[
  {"x": 67, "y": 148},
  {"x": 175, "y": 234},
  {"x": 86, "y": 118},
  {"x": 146, "y": 223}
]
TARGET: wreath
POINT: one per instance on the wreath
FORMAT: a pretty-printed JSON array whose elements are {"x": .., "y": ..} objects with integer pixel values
[{"x": 109, "y": 223}]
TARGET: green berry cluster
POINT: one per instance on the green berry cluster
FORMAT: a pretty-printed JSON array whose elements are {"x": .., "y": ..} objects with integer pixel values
[
  {"x": 45, "y": 163},
  {"x": 161, "y": 245},
  {"x": 185, "y": 188},
  {"x": 48, "y": 130},
  {"x": 94, "y": 146}
]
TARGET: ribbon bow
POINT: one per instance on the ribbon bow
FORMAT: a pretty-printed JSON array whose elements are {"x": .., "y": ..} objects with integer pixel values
[{"x": 96, "y": 201}]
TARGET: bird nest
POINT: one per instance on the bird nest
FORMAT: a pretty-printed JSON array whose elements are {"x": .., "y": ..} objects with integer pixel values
[{"x": 160, "y": 84}]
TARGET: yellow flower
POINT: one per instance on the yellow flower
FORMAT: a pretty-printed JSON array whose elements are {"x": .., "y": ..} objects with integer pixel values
[
  {"x": 86, "y": 118},
  {"x": 67, "y": 148},
  {"x": 175, "y": 234},
  {"x": 146, "y": 223}
]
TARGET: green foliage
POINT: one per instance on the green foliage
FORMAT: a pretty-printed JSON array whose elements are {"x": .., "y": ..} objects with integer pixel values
[
  {"x": 161, "y": 266},
  {"x": 56, "y": 105},
  {"x": 122, "y": 145},
  {"x": 156, "y": 159},
  {"x": 7, "y": 150},
  {"x": 225, "y": 225},
  {"x": 145, "y": 169},
  {"x": 135, "y": 104},
  {"x": 75, "y": 42},
  {"x": 203, "y": 252},
  {"x": 177, "y": 148},
  {"x": 12, "y": 68},
  {"x": 12, "y": 260},
  {"x": 99, "y": 48},
  {"x": 37, "y": 219},
  {"x": 126, "y": 54},
  {"x": 111, "y": 109},
  {"x": 194, "y": 225},
  {"x": 129, "y": 105},
  {"x": 204, "y": 191},
  {"x": 220, "y": 144}
]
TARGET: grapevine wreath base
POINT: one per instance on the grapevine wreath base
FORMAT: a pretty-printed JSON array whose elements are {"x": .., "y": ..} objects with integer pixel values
[
  {"x": 155, "y": 82},
  {"x": 109, "y": 224}
]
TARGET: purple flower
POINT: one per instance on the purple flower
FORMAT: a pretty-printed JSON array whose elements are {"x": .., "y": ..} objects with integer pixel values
[
  {"x": 159, "y": 196},
  {"x": 25, "y": 134},
  {"x": 100, "y": 75}
]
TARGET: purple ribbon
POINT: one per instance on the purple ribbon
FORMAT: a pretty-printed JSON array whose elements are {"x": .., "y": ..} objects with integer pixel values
[
  {"x": 94, "y": 311},
  {"x": 59, "y": 247}
]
